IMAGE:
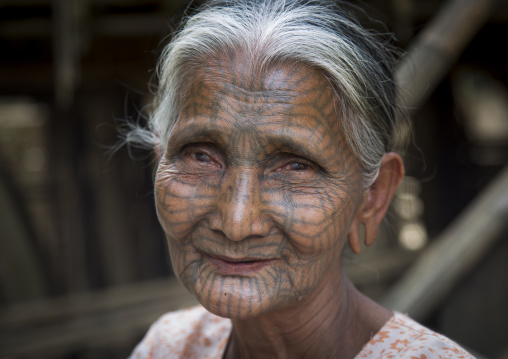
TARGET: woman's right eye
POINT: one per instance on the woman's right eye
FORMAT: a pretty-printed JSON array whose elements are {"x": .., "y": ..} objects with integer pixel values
[{"x": 201, "y": 157}]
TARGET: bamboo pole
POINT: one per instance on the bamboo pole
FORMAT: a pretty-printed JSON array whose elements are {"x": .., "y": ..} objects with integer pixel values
[
  {"x": 472, "y": 234},
  {"x": 454, "y": 253},
  {"x": 437, "y": 47}
]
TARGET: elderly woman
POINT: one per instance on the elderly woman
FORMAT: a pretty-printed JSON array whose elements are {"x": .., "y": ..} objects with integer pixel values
[{"x": 275, "y": 128}]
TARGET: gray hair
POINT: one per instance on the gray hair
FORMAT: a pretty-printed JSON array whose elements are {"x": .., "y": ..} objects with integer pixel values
[{"x": 319, "y": 33}]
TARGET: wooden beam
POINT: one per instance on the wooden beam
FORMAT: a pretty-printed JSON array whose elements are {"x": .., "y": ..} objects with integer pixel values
[
  {"x": 437, "y": 47},
  {"x": 59, "y": 326},
  {"x": 124, "y": 25},
  {"x": 454, "y": 253},
  {"x": 103, "y": 3},
  {"x": 66, "y": 51},
  {"x": 22, "y": 275}
]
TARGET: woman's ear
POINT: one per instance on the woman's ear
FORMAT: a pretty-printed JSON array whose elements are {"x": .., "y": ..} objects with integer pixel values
[
  {"x": 354, "y": 236},
  {"x": 376, "y": 200}
]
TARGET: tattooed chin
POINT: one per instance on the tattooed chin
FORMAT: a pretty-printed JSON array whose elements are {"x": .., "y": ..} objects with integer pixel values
[{"x": 242, "y": 288}]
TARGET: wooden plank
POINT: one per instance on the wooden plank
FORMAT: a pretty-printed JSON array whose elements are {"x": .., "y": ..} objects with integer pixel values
[
  {"x": 22, "y": 275},
  {"x": 454, "y": 253},
  {"x": 463, "y": 244},
  {"x": 117, "y": 25},
  {"x": 103, "y": 3},
  {"x": 36, "y": 312},
  {"x": 437, "y": 47},
  {"x": 55, "y": 327}
]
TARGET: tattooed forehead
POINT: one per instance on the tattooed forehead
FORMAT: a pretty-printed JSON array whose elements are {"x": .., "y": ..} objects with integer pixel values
[
  {"x": 239, "y": 72},
  {"x": 286, "y": 107}
]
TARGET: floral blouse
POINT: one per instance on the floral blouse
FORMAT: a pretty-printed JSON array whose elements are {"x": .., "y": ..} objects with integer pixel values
[{"x": 196, "y": 333}]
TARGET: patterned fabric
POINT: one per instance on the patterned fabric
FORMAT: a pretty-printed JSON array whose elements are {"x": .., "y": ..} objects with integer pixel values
[
  {"x": 190, "y": 333},
  {"x": 196, "y": 333},
  {"x": 402, "y": 337}
]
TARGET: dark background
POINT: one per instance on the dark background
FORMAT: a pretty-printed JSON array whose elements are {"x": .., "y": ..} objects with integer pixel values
[{"x": 79, "y": 236}]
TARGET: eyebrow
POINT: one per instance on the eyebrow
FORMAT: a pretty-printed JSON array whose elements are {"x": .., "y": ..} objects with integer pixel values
[
  {"x": 285, "y": 139},
  {"x": 198, "y": 133}
]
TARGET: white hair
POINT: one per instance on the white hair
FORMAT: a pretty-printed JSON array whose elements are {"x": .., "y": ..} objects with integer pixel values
[{"x": 317, "y": 33}]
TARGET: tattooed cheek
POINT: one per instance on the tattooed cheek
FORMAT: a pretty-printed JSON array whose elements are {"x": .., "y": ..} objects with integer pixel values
[
  {"x": 163, "y": 178},
  {"x": 291, "y": 185},
  {"x": 305, "y": 189},
  {"x": 198, "y": 177},
  {"x": 185, "y": 176}
]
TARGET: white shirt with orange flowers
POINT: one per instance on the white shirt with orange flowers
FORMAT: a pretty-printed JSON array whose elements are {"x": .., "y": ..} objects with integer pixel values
[{"x": 196, "y": 333}]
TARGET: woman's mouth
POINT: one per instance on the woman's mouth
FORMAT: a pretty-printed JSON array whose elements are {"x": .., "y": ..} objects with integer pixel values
[{"x": 238, "y": 266}]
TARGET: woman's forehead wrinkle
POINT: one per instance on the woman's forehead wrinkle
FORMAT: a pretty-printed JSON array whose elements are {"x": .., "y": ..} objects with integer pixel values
[{"x": 289, "y": 107}]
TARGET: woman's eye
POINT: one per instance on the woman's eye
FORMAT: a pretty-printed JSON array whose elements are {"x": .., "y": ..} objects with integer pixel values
[
  {"x": 298, "y": 166},
  {"x": 201, "y": 157}
]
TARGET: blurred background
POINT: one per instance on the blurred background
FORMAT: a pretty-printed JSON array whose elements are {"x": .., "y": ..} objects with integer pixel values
[{"x": 84, "y": 268}]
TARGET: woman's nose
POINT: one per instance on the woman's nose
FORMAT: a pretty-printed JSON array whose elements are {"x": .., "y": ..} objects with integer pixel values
[{"x": 240, "y": 207}]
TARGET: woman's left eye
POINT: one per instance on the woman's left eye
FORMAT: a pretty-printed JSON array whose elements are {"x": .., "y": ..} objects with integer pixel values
[
  {"x": 201, "y": 157},
  {"x": 298, "y": 166}
]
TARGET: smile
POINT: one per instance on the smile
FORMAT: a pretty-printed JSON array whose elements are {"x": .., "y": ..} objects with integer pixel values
[{"x": 238, "y": 266}]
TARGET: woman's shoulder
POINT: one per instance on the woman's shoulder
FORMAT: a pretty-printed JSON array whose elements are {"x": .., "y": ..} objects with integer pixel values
[
  {"x": 402, "y": 337},
  {"x": 187, "y": 333}
]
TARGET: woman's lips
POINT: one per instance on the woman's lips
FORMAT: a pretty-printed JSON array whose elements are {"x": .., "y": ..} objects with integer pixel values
[{"x": 240, "y": 266}]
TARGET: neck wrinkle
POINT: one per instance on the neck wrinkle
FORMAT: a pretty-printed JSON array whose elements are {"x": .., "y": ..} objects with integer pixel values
[{"x": 317, "y": 327}]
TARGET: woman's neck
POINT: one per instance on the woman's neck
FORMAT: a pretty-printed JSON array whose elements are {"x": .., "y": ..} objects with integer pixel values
[{"x": 335, "y": 321}]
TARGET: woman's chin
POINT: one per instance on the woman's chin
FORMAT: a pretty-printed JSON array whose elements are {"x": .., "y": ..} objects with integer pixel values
[
  {"x": 238, "y": 314},
  {"x": 235, "y": 303}
]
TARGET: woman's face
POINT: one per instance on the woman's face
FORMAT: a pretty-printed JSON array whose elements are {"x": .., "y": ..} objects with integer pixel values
[{"x": 257, "y": 189}]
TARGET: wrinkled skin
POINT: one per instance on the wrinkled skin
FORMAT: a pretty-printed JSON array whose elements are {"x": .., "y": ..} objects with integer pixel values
[
  {"x": 258, "y": 193},
  {"x": 257, "y": 167}
]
